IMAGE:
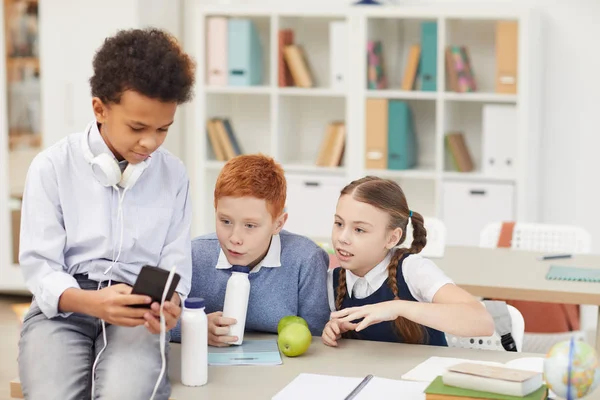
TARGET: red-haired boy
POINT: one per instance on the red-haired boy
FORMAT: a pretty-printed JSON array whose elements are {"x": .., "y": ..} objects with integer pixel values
[{"x": 288, "y": 273}]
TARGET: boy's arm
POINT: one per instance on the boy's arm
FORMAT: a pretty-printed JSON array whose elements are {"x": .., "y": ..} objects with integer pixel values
[
  {"x": 177, "y": 250},
  {"x": 43, "y": 238},
  {"x": 312, "y": 293}
]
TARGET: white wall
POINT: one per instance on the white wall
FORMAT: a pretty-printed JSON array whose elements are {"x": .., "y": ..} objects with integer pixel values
[{"x": 570, "y": 149}]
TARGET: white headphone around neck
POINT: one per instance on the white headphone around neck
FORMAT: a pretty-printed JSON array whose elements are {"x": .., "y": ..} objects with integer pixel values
[{"x": 106, "y": 169}]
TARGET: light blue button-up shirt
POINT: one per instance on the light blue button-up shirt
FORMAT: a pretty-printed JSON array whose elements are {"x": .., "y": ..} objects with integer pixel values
[{"x": 69, "y": 221}]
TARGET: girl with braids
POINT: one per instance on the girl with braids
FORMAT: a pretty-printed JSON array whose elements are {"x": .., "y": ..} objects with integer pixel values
[{"x": 385, "y": 293}]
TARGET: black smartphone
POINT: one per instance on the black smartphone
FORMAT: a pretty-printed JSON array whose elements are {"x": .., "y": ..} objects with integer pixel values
[{"x": 151, "y": 282}]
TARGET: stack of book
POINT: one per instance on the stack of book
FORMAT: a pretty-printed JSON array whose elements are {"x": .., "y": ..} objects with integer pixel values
[
  {"x": 376, "y": 77},
  {"x": 222, "y": 139},
  {"x": 470, "y": 381},
  {"x": 461, "y": 77},
  {"x": 294, "y": 69}
]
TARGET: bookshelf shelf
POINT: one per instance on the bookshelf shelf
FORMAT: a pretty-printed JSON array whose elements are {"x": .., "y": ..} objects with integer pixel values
[
  {"x": 473, "y": 177},
  {"x": 402, "y": 94},
  {"x": 311, "y": 92},
  {"x": 214, "y": 165},
  {"x": 311, "y": 169},
  {"x": 418, "y": 173},
  {"x": 264, "y": 90},
  {"x": 481, "y": 97},
  {"x": 291, "y": 122}
]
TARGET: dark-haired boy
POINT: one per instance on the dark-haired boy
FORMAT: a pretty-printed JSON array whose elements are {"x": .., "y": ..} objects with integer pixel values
[{"x": 98, "y": 205}]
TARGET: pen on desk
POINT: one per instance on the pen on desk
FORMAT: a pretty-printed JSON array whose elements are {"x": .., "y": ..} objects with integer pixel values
[
  {"x": 554, "y": 257},
  {"x": 360, "y": 387}
]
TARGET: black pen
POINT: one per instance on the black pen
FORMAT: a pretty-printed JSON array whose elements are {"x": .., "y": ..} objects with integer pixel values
[
  {"x": 360, "y": 387},
  {"x": 554, "y": 257}
]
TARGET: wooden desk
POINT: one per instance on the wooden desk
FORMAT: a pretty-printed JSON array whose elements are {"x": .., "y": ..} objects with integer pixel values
[
  {"x": 353, "y": 358},
  {"x": 518, "y": 275}
]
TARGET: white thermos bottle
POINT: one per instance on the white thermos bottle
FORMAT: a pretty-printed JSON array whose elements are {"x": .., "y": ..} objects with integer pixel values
[
  {"x": 194, "y": 343},
  {"x": 236, "y": 300}
]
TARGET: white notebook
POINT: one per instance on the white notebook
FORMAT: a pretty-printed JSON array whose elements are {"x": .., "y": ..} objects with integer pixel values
[{"x": 313, "y": 386}]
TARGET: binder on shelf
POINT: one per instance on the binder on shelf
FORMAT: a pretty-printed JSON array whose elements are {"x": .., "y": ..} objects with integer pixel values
[
  {"x": 507, "y": 49},
  {"x": 499, "y": 122},
  {"x": 376, "y": 134},
  {"x": 402, "y": 143},
  {"x": 429, "y": 56},
  {"x": 216, "y": 51},
  {"x": 338, "y": 54},
  {"x": 244, "y": 53}
]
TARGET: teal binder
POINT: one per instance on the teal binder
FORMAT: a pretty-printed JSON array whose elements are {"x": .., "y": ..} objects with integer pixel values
[
  {"x": 578, "y": 274},
  {"x": 428, "y": 65},
  {"x": 244, "y": 53},
  {"x": 402, "y": 143}
]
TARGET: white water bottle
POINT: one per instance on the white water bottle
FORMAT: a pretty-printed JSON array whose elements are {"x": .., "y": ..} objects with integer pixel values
[
  {"x": 236, "y": 301},
  {"x": 194, "y": 343}
]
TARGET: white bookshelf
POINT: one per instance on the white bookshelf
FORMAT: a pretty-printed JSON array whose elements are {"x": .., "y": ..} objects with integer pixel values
[{"x": 289, "y": 123}]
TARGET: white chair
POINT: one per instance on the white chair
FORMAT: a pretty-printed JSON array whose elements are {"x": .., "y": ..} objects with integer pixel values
[
  {"x": 492, "y": 342},
  {"x": 436, "y": 237},
  {"x": 540, "y": 237},
  {"x": 549, "y": 239}
]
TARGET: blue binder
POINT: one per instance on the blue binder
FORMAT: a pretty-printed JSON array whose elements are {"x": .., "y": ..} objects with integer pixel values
[
  {"x": 402, "y": 142},
  {"x": 244, "y": 53},
  {"x": 428, "y": 56}
]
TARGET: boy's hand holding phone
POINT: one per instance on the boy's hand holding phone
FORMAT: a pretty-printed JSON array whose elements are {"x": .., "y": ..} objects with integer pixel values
[{"x": 113, "y": 305}]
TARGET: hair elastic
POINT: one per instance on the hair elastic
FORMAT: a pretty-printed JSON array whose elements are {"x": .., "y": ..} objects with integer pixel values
[{"x": 409, "y": 213}]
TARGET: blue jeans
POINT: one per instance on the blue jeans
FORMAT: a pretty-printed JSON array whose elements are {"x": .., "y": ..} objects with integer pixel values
[{"x": 56, "y": 357}]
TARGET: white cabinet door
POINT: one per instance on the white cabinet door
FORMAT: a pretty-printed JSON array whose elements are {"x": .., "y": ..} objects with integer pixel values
[
  {"x": 469, "y": 206},
  {"x": 311, "y": 205}
]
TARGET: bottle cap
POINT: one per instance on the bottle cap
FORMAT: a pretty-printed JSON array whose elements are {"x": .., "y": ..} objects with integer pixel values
[
  {"x": 194, "y": 302},
  {"x": 240, "y": 268}
]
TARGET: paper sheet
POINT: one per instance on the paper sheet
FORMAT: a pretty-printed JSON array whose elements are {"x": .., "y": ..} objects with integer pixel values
[{"x": 251, "y": 352}]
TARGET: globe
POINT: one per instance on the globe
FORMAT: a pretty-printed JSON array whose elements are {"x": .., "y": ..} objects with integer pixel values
[{"x": 571, "y": 369}]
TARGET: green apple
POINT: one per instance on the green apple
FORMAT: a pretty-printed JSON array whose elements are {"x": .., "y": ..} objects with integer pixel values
[
  {"x": 294, "y": 340},
  {"x": 290, "y": 319}
]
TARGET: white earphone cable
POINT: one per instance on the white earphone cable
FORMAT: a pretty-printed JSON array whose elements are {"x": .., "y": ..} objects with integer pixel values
[
  {"x": 109, "y": 272},
  {"x": 163, "y": 332}
]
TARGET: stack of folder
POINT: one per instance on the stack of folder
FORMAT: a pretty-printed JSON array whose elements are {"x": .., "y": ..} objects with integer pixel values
[{"x": 234, "y": 52}]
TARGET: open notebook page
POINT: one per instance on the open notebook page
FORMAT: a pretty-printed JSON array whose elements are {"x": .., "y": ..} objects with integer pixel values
[{"x": 313, "y": 386}]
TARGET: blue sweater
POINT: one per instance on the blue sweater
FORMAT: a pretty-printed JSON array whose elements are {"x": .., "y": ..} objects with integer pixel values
[
  {"x": 384, "y": 331},
  {"x": 297, "y": 287}
]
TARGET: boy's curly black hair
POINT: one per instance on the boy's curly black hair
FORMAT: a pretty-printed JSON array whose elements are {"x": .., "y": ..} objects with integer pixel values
[{"x": 148, "y": 61}]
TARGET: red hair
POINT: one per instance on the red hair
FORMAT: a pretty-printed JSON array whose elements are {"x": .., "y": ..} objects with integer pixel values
[{"x": 256, "y": 176}]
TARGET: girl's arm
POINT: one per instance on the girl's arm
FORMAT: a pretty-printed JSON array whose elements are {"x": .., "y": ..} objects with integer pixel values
[{"x": 452, "y": 311}]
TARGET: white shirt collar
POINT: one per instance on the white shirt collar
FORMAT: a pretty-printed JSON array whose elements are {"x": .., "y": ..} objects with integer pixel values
[
  {"x": 375, "y": 277},
  {"x": 96, "y": 142},
  {"x": 271, "y": 260}
]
